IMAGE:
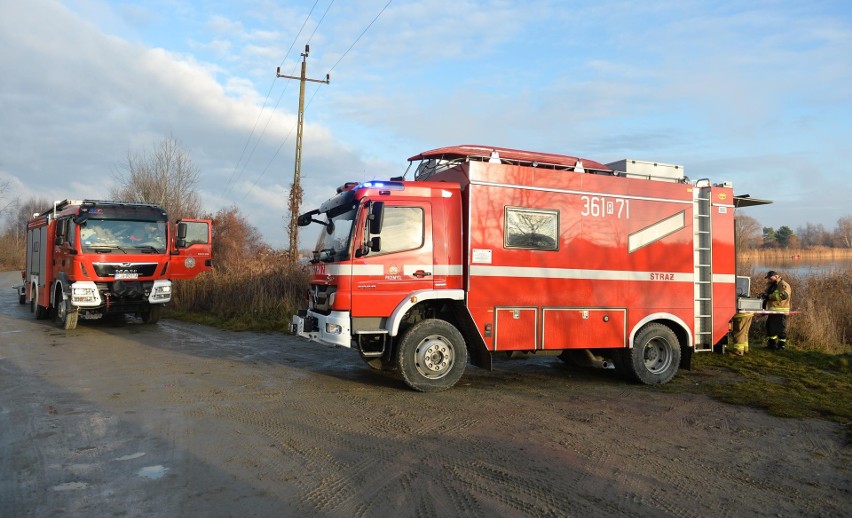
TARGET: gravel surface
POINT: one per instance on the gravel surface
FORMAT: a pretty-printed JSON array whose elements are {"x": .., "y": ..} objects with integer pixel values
[{"x": 178, "y": 419}]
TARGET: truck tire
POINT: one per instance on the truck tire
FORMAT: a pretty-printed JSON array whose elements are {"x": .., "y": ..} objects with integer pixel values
[
  {"x": 39, "y": 311},
  {"x": 655, "y": 355},
  {"x": 431, "y": 356},
  {"x": 65, "y": 314},
  {"x": 379, "y": 364},
  {"x": 152, "y": 316}
]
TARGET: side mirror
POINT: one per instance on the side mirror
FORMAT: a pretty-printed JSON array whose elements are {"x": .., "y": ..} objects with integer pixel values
[
  {"x": 61, "y": 231},
  {"x": 305, "y": 219},
  {"x": 181, "y": 235},
  {"x": 375, "y": 245},
  {"x": 376, "y": 217}
]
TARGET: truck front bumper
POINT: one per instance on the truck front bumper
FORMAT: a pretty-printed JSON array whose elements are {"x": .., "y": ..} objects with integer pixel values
[{"x": 331, "y": 329}]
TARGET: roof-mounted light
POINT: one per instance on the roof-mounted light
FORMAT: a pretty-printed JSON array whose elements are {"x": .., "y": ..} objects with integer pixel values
[{"x": 383, "y": 185}]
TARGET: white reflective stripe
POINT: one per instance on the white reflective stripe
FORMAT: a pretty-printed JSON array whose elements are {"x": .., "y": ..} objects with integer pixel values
[
  {"x": 724, "y": 278},
  {"x": 564, "y": 273},
  {"x": 655, "y": 232},
  {"x": 448, "y": 269},
  {"x": 366, "y": 269},
  {"x": 378, "y": 270}
]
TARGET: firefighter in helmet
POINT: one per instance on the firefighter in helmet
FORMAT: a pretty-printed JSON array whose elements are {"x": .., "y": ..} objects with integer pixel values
[{"x": 776, "y": 298}]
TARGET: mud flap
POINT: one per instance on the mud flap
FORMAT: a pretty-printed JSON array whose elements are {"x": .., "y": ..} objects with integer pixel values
[{"x": 686, "y": 358}]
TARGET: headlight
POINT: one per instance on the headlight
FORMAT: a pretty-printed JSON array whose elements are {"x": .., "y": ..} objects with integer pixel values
[{"x": 161, "y": 292}]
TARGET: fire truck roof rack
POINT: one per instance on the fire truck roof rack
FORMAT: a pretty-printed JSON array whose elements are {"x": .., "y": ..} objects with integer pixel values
[{"x": 59, "y": 205}]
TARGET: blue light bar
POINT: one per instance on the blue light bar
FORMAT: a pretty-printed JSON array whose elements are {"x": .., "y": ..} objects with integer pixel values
[{"x": 384, "y": 185}]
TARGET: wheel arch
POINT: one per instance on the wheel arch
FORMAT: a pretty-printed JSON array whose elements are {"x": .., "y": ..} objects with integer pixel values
[
  {"x": 461, "y": 319},
  {"x": 673, "y": 322}
]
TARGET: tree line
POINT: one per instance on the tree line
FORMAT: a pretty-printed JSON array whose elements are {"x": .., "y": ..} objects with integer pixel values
[
  {"x": 164, "y": 175},
  {"x": 751, "y": 235}
]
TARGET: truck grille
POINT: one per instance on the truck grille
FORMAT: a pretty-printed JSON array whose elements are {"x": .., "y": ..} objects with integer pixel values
[{"x": 109, "y": 269}]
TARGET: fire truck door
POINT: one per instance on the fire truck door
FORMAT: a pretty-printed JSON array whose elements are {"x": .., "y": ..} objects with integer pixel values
[
  {"x": 193, "y": 253},
  {"x": 382, "y": 279}
]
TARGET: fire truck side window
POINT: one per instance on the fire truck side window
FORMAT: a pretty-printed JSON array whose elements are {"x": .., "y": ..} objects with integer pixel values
[
  {"x": 531, "y": 229},
  {"x": 402, "y": 229},
  {"x": 196, "y": 233}
]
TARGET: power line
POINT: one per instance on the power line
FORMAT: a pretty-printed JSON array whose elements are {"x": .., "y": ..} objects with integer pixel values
[
  {"x": 360, "y": 36},
  {"x": 281, "y": 146},
  {"x": 281, "y": 96},
  {"x": 263, "y": 107}
]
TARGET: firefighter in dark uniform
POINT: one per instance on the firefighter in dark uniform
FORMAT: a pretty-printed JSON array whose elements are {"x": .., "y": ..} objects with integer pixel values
[{"x": 776, "y": 298}]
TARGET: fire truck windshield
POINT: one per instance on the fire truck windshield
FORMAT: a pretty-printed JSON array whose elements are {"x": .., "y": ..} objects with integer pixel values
[
  {"x": 123, "y": 236},
  {"x": 333, "y": 242}
]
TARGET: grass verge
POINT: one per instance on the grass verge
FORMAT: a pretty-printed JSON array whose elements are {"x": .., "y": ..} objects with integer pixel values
[{"x": 789, "y": 383}]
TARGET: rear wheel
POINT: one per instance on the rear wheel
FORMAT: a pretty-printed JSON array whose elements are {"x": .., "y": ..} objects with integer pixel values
[
  {"x": 39, "y": 311},
  {"x": 65, "y": 314},
  {"x": 431, "y": 356},
  {"x": 655, "y": 355}
]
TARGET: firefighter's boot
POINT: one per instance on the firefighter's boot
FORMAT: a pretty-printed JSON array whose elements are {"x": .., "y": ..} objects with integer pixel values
[
  {"x": 781, "y": 344},
  {"x": 772, "y": 342}
]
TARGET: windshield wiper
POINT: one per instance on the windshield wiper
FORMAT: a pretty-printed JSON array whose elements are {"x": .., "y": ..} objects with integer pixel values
[
  {"x": 105, "y": 249},
  {"x": 148, "y": 249}
]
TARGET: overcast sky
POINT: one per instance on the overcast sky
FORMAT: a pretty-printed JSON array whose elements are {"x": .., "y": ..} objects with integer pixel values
[{"x": 755, "y": 92}]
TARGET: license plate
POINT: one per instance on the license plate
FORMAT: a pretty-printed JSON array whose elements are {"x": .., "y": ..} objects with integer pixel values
[{"x": 126, "y": 275}]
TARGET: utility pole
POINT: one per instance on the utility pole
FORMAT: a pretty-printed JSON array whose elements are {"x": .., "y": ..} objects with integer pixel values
[{"x": 296, "y": 188}]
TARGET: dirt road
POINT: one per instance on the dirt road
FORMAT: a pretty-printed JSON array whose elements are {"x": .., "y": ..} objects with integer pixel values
[{"x": 184, "y": 420}]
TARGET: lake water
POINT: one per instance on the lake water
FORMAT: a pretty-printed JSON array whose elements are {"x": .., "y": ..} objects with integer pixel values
[{"x": 804, "y": 267}]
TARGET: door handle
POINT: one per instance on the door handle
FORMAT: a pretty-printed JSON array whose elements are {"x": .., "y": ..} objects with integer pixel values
[{"x": 421, "y": 274}]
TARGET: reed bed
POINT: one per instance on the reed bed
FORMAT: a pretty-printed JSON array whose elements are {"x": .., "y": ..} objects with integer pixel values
[
  {"x": 824, "y": 304},
  {"x": 258, "y": 294}
]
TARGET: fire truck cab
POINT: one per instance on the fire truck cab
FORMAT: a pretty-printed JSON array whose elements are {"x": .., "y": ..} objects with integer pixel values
[
  {"x": 499, "y": 251},
  {"x": 91, "y": 258}
]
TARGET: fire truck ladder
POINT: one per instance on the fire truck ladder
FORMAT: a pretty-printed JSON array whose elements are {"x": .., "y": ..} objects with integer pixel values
[{"x": 703, "y": 261}]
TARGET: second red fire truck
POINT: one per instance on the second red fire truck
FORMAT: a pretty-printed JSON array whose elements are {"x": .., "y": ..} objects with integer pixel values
[
  {"x": 491, "y": 250},
  {"x": 91, "y": 258}
]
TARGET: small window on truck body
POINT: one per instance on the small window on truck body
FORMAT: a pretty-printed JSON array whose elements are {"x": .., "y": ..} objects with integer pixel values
[
  {"x": 531, "y": 229},
  {"x": 402, "y": 229}
]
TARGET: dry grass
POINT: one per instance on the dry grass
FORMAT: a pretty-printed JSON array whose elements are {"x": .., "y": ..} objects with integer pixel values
[
  {"x": 824, "y": 303},
  {"x": 260, "y": 294}
]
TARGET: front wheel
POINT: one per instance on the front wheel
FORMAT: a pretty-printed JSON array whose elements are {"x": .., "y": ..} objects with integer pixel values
[
  {"x": 655, "y": 355},
  {"x": 152, "y": 316},
  {"x": 431, "y": 356},
  {"x": 65, "y": 314}
]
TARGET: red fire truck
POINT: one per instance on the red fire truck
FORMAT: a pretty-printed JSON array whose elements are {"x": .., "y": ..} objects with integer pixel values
[
  {"x": 90, "y": 258},
  {"x": 491, "y": 250}
]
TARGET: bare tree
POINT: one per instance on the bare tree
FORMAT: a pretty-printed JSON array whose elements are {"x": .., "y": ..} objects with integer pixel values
[
  {"x": 747, "y": 232},
  {"x": 14, "y": 234},
  {"x": 165, "y": 176},
  {"x": 843, "y": 233},
  {"x": 4, "y": 204}
]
